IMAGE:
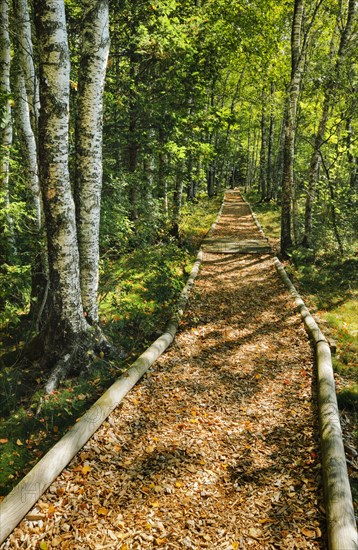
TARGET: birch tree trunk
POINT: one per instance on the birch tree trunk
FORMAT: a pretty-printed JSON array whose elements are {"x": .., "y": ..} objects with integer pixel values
[
  {"x": 95, "y": 48},
  {"x": 66, "y": 322},
  {"x": 26, "y": 58},
  {"x": 28, "y": 143},
  {"x": 329, "y": 95},
  {"x": 6, "y": 125}
]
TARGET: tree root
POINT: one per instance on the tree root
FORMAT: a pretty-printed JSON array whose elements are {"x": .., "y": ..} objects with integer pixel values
[{"x": 64, "y": 354}]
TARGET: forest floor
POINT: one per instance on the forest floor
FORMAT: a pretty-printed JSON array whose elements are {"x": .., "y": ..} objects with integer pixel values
[{"x": 218, "y": 445}]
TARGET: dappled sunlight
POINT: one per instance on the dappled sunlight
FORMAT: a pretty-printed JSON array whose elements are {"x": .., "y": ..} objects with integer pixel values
[{"x": 218, "y": 443}]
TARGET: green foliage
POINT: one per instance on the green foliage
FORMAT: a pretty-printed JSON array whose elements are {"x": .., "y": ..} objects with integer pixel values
[
  {"x": 14, "y": 292},
  {"x": 348, "y": 398},
  {"x": 138, "y": 295}
]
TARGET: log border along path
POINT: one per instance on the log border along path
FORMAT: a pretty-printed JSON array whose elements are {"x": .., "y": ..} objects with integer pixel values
[{"x": 218, "y": 445}]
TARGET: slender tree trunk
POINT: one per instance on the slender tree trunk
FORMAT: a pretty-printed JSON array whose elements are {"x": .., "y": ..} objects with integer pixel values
[
  {"x": 26, "y": 58},
  {"x": 269, "y": 192},
  {"x": 26, "y": 111},
  {"x": 133, "y": 145},
  {"x": 178, "y": 196},
  {"x": 94, "y": 56},
  {"x": 263, "y": 150},
  {"x": 6, "y": 127},
  {"x": 352, "y": 159},
  {"x": 248, "y": 165},
  {"x": 290, "y": 126},
  {"x": 210, "y": 178},
  {"x": 28, "y": 146},
  {"x": 162, "y": 173},
  {"x": 329, "y": 94},
  {"x": 66, "y": 322}
]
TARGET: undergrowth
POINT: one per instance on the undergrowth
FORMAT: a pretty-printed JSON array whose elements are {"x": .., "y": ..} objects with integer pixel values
[{"x": 138, "y": 290}]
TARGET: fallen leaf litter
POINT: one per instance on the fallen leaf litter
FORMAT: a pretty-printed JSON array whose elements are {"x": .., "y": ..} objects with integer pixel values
[{"x": 217, "y": 446}]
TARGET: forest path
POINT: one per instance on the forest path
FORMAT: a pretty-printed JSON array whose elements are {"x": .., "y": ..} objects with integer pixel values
[{"x": 217, "y": 446}]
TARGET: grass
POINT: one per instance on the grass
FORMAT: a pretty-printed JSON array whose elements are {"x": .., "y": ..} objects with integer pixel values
[{"x": 137, "y": 293}]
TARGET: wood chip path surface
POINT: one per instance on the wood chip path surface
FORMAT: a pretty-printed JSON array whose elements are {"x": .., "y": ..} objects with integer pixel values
[{"x": 217, "y": 446}]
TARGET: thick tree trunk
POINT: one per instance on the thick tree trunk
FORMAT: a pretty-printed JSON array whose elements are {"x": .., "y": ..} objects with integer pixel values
[
  {"x": 94, "y": 56},
  {"x": 9, "y": 246},
  {"x": 66, "y": 322}
]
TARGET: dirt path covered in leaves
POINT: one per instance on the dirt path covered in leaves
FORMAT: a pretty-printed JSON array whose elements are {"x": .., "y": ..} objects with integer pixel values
[{"x": 217, "y": 446}]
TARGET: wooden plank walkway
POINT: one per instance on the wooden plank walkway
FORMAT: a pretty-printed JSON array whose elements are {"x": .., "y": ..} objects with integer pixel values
[{"x": 228, "y": 246}]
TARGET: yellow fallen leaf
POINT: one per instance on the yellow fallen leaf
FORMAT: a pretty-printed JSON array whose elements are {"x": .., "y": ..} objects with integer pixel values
[
  {"x": 51, "y": 509},
  {"x": 150, "y": 449},
  {"x": 102, "y": 511},
  {"x": 160, "y": 541},
  {"x": 178, "y": 484},
  {"x": 310, "y": 533},
  {"x": 43, "y": 545},
  {"x": 86, "y": 468},
  {"x": 19, "y": 442},
  {"x": 235, "y": 545},
  {"x": 155, "y": 504}
]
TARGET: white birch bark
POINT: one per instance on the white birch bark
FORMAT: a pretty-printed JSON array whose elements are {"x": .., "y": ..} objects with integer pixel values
[
  {"x": 65, "y": 297},
  {"x": 5, "y": 116},
  {"x": 95, "y": 48},
  {"x": 26, "y": 58},
  {"x": 28, "y": 141}
]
